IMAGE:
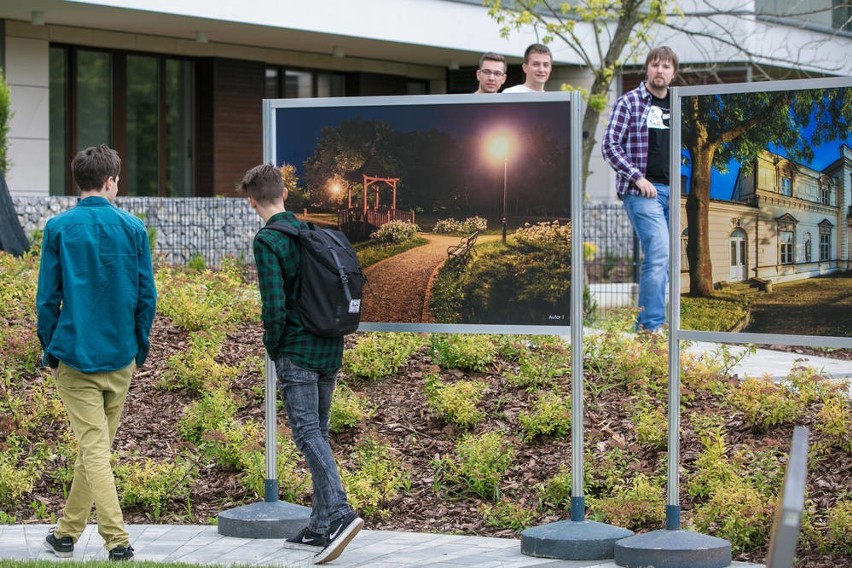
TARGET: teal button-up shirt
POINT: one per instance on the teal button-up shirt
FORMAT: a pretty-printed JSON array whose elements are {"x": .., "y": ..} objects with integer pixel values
[
  {"x": 277, "y": 258},
  {"x": 96, "y": 296}
]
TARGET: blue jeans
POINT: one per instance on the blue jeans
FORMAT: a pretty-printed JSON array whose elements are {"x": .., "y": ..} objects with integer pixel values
[
  {"x": 307, "y": 400},
  {"x": 650, "y": 219}
]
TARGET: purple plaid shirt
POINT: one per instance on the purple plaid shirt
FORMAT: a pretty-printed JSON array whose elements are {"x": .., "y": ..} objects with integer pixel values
[{"x": 625, "y": 143}]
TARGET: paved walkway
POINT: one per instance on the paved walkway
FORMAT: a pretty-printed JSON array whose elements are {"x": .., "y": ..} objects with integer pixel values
[
  {"x": 199, "y": 544},
  {"x": 777, "y": 364}
]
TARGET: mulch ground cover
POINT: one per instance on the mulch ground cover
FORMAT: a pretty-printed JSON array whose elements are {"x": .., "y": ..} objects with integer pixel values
[{"x": 403, "y": 421}]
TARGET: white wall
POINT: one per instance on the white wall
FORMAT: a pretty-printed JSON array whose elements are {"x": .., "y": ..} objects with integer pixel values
[{"x": 27, "y": 73}]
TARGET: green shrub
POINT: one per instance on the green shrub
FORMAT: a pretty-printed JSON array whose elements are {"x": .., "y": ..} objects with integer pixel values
[
  {"x": 348, "y": 409},
  {"x": 206, "y": 299},
  {"x": 838, "y": 527},
  {"x": 540, "y": 366},
  {"x": 651, "y": 424},
  {"x": 736, "y": 512},
  {"x": 378, "y": 355},
  {"x": 214, "y": 411},
  {"x": 211, "y": 425},
  {"x": 556, "y": 491},
  {"x": 196, "y": 369},
  {"x": 377, "y": 478},
  {"x": 153, "y": 485},
  {"x": 635, "y": 362},
  {"x": 713, "y": 467},
  {"x": 463, "y": 352},
  {"x": 15, "y": 480},
  {"x": 395, "y": 232},
  {"x": 549, "y": 415},
  {"x": 639, "y": 504},
  {"x": 834, "y": 421},
  {"x": 456, "y": 402},
  {"x": 479, "y": 464},
  {"x": 293, "y": 482},
  {"x": 506, "y": 514},
  {"x": 766, "y": 404}
]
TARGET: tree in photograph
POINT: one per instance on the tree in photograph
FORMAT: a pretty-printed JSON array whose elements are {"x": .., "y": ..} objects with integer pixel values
[
  {"x": 719, "y": 128},
  {"x": 343, "y": 150}
]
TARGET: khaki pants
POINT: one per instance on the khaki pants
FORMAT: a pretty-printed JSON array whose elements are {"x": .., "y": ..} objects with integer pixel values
[{"x": 93, "y": 402}]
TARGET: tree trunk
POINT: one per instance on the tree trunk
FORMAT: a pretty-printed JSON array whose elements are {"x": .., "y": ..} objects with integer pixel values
[{"x": 697, "y": 216}]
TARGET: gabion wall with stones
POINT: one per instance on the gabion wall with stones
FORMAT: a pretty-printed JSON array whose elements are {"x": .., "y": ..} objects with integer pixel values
[
  {"x": 607, "y": 225},
  {"x": 215, "y": 227},
  {"x": 212, "y": 227}
]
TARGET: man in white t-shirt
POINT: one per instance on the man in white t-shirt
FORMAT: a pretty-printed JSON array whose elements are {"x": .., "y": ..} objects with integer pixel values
[{"x": 538, "y": 63}]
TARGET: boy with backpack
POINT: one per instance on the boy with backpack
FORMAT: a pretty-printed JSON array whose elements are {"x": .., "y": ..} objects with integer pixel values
[{"x": 306, "y": 364}]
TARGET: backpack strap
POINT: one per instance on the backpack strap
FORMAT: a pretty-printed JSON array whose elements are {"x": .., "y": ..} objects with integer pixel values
[{"x": 282, "y": 227}]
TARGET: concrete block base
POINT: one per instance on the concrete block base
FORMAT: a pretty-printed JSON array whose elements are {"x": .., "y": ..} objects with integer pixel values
[
  {"x": 673, "y": 549},
  {"x": 263, "y": 520},
  {"x": 572, "y": 540}
]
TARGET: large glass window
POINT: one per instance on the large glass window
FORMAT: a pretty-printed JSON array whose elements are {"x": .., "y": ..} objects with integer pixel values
[
  {"x": 141, "y": 105},
  {"x": 140, "y": 160},
  {"x": 180, "y": 96},
  {"x": 94, "y": 98},
  {"x": 807, "y": 245},
  {"x": 786, "y": 186}
]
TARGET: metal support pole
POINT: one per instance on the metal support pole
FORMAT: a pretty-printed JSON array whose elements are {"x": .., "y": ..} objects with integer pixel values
[
  {"x": 270, "y": 494},
  {"x": 505, "y": 172}
]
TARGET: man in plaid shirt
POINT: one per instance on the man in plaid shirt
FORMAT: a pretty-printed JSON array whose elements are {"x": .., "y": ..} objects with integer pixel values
[
  {"x": 306, "y": 365},
  {"x": 636, "y": 145}
]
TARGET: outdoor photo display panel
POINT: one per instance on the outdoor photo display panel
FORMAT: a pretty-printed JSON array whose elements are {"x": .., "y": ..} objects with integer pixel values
[
  {"x": 766, "y": 175},
  {"x": 486, "y": 180}
]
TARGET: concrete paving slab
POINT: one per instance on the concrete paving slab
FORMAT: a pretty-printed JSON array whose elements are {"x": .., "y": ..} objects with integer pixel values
[
  {"x": 777, "y": 364},
  {"x": 201, "y": 544}
]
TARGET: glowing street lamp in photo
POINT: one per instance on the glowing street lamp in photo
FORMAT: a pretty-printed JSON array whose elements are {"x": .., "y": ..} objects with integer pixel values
[
  {"x": 335, "y": 186},
  {"x": 498, "y": 147}
]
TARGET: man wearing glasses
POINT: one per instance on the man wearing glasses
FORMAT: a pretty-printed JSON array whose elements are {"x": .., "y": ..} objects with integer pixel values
[{"x": 491, "y": 73}]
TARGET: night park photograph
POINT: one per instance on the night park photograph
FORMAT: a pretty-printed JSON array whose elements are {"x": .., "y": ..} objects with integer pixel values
[
  {"x": 766, "y": 180},
  {"x": 458, "y": 207}
]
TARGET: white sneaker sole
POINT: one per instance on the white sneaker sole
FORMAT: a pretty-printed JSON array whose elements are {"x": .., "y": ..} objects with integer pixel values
[
  {"x": 56, "y": 552},
  {"x": 335, "y": 547}
]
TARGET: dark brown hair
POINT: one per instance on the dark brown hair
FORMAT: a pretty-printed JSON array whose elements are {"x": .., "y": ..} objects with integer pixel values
[
  {"x": 537, "y": 48},
  {"x": 491, "y": 56},
  {"x": 662, "y": 53},
  {"x": 263, "y": 183},
  {"x": 93, "y": 166}
]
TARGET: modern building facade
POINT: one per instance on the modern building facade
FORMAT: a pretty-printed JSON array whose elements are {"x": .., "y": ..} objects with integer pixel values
[{"x": 177, "y": 87}]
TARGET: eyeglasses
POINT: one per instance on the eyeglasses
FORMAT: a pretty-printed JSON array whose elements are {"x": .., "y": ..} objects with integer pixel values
[{"x": 490, "y": 73}]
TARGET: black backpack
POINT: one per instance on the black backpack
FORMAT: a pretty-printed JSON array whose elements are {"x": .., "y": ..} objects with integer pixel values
[{"x": 331, "y": 280}]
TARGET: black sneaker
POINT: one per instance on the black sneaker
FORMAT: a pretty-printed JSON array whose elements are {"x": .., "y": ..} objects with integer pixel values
[
  {"x": 62, "y": 547},
  {"x": 121, "y": 553},
  {"x": 340, "y": 533},
  {"x": 309, "y": 537}
]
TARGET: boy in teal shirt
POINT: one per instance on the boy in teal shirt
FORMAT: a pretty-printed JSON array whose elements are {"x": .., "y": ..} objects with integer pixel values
[{"x": 96, "y": 302}]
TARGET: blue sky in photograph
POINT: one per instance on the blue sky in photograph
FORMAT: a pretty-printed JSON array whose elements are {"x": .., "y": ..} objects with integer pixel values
[{"x": 722, "y": 184}]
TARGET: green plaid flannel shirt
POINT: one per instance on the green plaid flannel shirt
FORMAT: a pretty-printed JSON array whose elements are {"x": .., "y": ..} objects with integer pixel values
[{"x": 277, "y": 258}]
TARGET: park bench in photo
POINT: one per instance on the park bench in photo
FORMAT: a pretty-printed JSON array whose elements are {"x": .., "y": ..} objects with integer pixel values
[{"x": 459, "y": 254}]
